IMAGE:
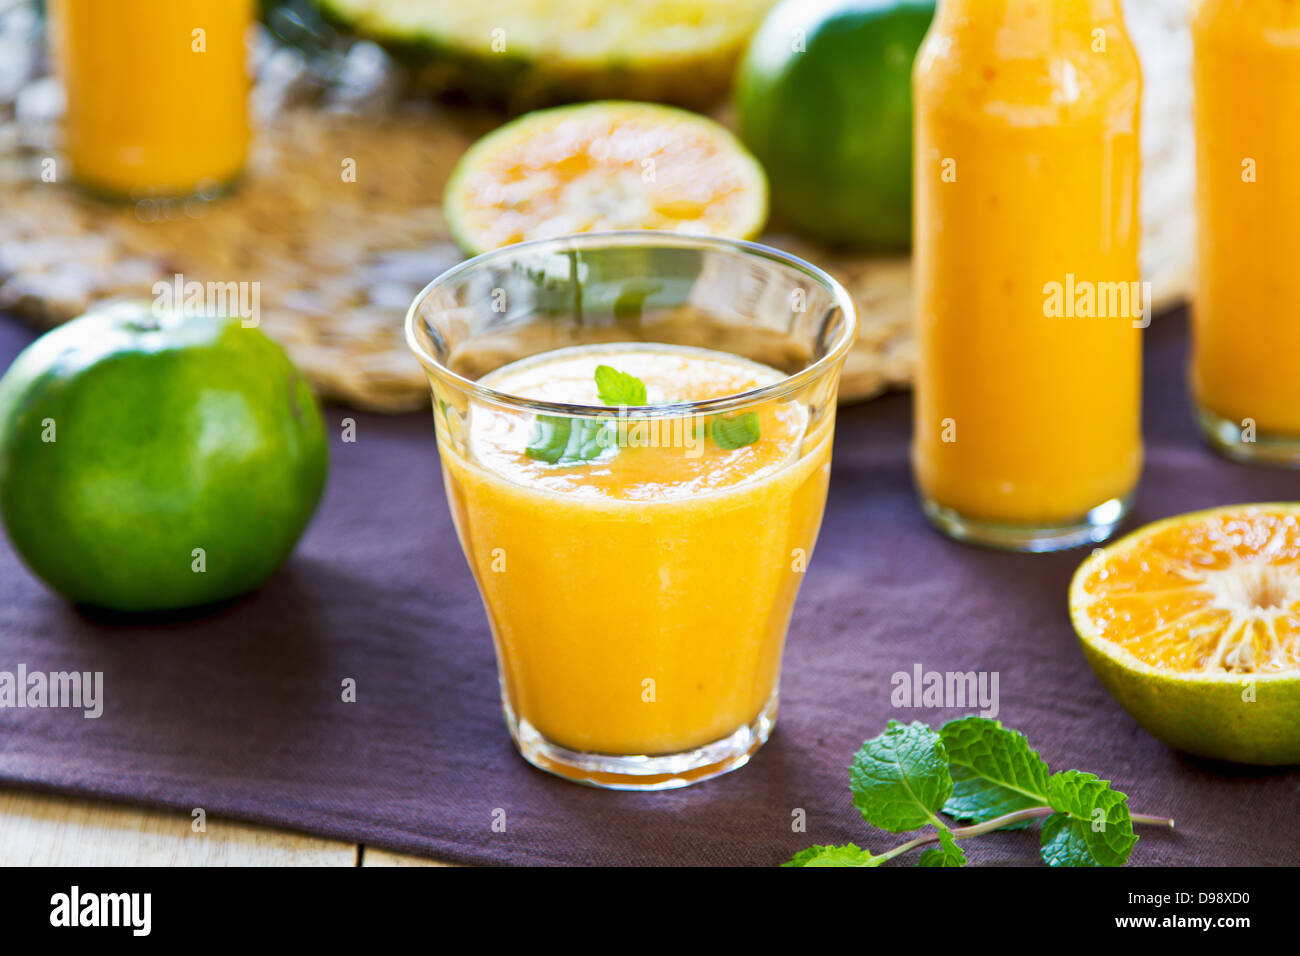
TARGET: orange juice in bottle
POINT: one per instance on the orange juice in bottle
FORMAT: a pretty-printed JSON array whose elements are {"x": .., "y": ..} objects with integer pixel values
[
  {"x": 1246, "y": 343},
  {"x": 1030, "y": 304},
  {"x": 157, "y": 93}
]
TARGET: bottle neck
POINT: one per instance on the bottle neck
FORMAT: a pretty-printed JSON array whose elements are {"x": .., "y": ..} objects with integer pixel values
[
  {"x": 1244, "y": 17},
  {"x": 1051, "y": 15},
  {"x": 1028, "y": 29}
]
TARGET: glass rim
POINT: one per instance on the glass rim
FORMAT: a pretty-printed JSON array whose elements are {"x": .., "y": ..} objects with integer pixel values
[{"x": 631, "y": 238}]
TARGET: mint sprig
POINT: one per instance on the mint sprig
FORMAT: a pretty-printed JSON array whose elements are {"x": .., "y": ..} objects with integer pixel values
[
  {"x": 1091, "y": 825},
  {"x": 560, "y": 440},
  {"x": 847, "y": 855},
  {"x": 900, "y": 779},
  {"x": 735, "y": 432},
  {"x": 619, "y": 388},
  {"x": 975, "y": 769},
  {"x": 947, "y": 853},
  {"x": 994, "y": 771}
]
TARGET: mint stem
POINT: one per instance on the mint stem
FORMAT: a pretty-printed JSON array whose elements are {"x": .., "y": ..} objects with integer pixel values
[
  {"x": 997, "y": 823},
  {"x": 1152, "y": 821},
  {"x": 1006, "y": 820}
]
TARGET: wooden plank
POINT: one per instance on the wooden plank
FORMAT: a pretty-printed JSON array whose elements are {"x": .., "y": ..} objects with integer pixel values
[
  {"x": 47, "y": 830},
  {"x": 373, "y": 856}
]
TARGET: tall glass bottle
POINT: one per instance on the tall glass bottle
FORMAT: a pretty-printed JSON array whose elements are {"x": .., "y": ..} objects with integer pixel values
[
  {"x": 1246, "y": 352},
  {"x": 157, "y": 93},
  {"x": 1030, "y": 304}
]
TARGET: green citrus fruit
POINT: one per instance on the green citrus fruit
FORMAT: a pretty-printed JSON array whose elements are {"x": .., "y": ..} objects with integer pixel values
[
  {"x": 824, "y": 99},
  {"x": 1193, "y": 623},
  {"x": 153, "y": 462},
  {"x": 604, "y": 166}
]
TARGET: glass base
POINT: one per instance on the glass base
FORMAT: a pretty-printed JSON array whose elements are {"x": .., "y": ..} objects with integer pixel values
[
  {"x": 1227, "y": 439},
  {"x": 638, "y": 772},
  {"x": 1094, "y": 527},
  {"x": 156, "y": 205}
]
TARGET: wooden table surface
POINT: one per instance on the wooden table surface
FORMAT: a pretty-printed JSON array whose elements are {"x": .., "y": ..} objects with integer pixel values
[{"x": 38, "y": 829}]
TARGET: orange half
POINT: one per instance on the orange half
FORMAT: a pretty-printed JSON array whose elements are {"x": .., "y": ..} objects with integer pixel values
[
  {"x": 1193, "y": 623},
  {"x": 604, "y": 166}
]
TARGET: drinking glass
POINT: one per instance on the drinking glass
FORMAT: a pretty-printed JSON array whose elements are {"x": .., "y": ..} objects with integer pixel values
[{"x": 638, "y": 632}]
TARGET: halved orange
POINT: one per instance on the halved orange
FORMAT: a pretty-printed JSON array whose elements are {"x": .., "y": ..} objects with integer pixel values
[
  {"x": 602, "y": 166},
  {"x": 1193, "y": 623}
]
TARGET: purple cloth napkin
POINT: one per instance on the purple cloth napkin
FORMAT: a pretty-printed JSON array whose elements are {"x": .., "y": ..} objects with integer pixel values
[{"x": 239, "y": 710}]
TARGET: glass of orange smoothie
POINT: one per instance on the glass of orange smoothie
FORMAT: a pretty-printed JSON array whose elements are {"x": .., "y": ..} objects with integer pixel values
[{"x": 635, "y": 433}]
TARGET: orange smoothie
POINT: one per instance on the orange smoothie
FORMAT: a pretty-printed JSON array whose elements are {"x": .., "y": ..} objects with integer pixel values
[
  {"x": 1026, "y": 267},
  {"x": 157, "y": 92},
  {"x": 639, "y": 601},
  {"x": 1246, "y": 324}
]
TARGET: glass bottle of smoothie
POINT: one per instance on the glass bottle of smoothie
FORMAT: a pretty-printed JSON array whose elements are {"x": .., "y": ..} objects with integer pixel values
[
  {"x": 1030, "y": 304},
  {"x": 157, "y": 93},
  {"x": 1246, "y": 344}
]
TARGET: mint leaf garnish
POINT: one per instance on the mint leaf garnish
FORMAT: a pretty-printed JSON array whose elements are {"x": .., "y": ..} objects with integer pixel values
[
  {"x": 849, "y": 855},
  {"x": 1091, "y": 826},
  {"x": 619, "y": 388},
  {"x": 570, "y": 441},
  {"x": 994, "y": 770},
  {"x": 559, "y": 440},
  {"x": 550, "y": 438},
  {"x": 735, "y": 432},
  {"x": 900, "y": 779},
  {"x": 976, "y": 769},
  {"x": 947, "y": 853}
]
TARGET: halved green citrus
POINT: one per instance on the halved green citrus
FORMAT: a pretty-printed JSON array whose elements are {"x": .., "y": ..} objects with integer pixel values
[
  {"x": 528, "y": 53},
  {"x": 600, "y": 166},
  {"x": 1193, "y": 623}
]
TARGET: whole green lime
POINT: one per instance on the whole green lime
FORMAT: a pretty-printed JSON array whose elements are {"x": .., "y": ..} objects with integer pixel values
[
  {"x": 151, "y": 462},
  {"x": 824, "y": 100}
]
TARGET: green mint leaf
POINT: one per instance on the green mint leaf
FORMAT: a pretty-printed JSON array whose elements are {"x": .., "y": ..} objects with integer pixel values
[
  {"x": 619, "y": 388},
  {"x": 550, "y": 438},
  {"x": 900, "y": 779},
  {"x": 849, "y": 855},
  {"x": 570, "y": 441},
  {"x": 1091, "y": 826},
  {"x": 735, "y": 432},
  {"x": 573, "y": 441},
  {"x": 947, "y": 853},
  {"x": 994, "y": 770}
]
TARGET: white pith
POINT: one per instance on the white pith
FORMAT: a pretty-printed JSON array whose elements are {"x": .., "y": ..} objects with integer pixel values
[{"x": 1251, "y": 591}]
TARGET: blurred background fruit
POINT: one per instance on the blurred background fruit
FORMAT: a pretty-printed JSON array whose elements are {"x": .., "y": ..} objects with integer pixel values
[
  {"x": 1193, "y": 624},
  {"x": 340, "y": 257},
  {"x": 529, "y": 53},
  {"x": 823, "y": 97},
  {"x": 602, "y": 166},
  {"x": 149, "y": 462}
]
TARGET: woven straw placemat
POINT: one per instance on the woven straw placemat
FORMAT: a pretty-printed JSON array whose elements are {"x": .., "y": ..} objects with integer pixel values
[{"x": 339, "y": 261}]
